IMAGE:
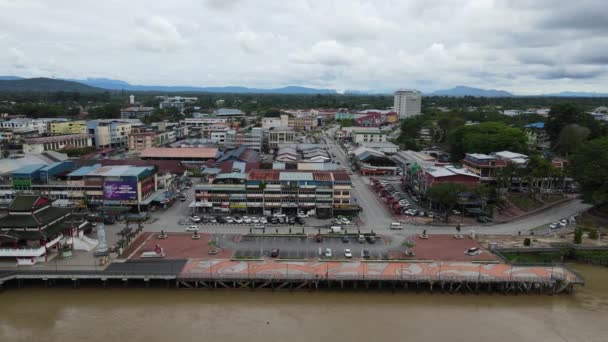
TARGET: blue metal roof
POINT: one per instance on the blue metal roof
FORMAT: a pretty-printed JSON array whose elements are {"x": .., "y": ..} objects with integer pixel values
[
  {"x": 83, "y": 171},
  {"x": 28, "y": 169},
  {"x": 539, "y": 125}
]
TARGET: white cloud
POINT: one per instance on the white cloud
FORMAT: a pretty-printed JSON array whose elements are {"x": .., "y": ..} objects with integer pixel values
[
  {"x": 157, "y": 34},
  {"x": 329, "y": 53},
  {"x": 341, "y": 44}
]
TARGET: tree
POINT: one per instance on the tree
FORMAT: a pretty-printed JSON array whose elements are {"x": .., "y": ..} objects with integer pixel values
[
  {"x": 589, "y": 167},
  {"x": 578, "y": 236},
  {"x": 562, "y": 115},
  {"x": 571, "y": 137},
  {"x": 486, "y": 137},
  {"x": 446, "y": 195}
]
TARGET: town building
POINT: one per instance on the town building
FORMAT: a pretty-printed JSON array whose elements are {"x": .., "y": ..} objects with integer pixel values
[
  {"x": 280, "y": 136},
  {"x": 420, "y": 179},
  {"x": 408, "y": 103},
  {"x": 251, "y": 139},
  {"x": 136, "y": 112},
  {"x": 68, "y": 127},
  {"x": 177, "y": 102},
  {"x": 372, "y": 162},
  {"x": 184, "y": 154},
  {"x": 33, "y": 229},
  {"x": 361, "y": 135},
  {"x": 265, "y": 192},
  {"x": 13, "y": 162},
  {"x": 40, "y": 125},
  {"x": 386, "y": 147},
  {"x": 139, "y": 141},
  {"x": 109, "y": 132},
  {"x": 56, "y": 142},
  {"x": 228, "y": 112},
  {"x": 483, "y": 165}
]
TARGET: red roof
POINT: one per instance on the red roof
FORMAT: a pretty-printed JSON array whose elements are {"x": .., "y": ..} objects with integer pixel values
[{"x": 176, "y": 153}]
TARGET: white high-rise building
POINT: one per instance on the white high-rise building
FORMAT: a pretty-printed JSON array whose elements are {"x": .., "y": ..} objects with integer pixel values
[
  {"x": 407, "y": 103},
  {"x": 132, "y": 99}
]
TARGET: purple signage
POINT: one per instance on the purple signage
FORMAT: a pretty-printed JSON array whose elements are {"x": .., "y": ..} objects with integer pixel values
[{"x": 117, "y": 190}]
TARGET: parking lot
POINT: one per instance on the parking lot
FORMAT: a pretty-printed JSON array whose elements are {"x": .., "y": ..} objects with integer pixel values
[{"x": 308, "y": 248}]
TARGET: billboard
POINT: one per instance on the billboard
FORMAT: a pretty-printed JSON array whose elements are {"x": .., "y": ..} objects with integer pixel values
[{"x": 120, "y": 190}]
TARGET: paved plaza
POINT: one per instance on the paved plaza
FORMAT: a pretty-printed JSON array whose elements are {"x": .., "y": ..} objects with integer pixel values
[{"x": 217, "y": 268}]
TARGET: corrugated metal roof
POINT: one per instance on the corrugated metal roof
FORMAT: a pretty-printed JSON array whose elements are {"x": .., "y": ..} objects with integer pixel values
[
  {"x": 295, "y": 176},
  {"x": 28, "y": 169},
  {"x": 231, "y": 175},
  {"x": 83, "y": 171}
]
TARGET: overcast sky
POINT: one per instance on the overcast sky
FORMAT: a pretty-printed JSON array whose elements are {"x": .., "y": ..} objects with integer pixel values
[{"x": 524, "y": 46}]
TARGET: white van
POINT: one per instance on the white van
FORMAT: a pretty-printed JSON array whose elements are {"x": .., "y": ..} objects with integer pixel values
[
  {"x": 335, "y": 229},
  {"x": 396, "y": 225}
]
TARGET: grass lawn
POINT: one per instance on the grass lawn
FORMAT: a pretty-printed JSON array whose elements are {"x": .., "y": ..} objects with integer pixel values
[
  {"x": 525, "y": 202},
  {"x": 534, "y": 257}
]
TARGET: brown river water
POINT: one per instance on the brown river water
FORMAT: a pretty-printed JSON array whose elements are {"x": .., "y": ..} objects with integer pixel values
[{"x": 172, "y": 315}]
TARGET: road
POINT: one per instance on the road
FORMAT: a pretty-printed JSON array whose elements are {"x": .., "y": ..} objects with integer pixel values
[{"x": 374, "y": 215}]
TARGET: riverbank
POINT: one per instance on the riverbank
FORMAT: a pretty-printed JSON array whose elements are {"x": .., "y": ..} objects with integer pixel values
[{"x": 156, "y": 315}]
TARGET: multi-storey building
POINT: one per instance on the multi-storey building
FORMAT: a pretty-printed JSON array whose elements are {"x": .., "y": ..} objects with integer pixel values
[
  {"x": 321, "y": 193},
  {"x": 40, "y": 125},
  {"x": 252, "y": 140},
  {"x": 407, "y": 103},
  {"x": 136, "y": 112},
  {"x": 56, "y": 142},
  {"x": 139, "y": 141},
  {"x": 178, "y": 102},
  {"x": 96, "y": 185},
  {"x": 109, "y": 133},
  {"x": 483, "y": 165},
  {"x": 280, "y": 136},
  {"x": 361, "y": 135},
  {"x": 68, "y": 127}
]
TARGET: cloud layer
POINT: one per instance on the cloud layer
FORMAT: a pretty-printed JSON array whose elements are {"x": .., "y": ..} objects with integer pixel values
[{"x": 522, "y": 46}]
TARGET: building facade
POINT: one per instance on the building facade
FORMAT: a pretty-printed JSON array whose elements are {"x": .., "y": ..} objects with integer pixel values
[
  {"x": 276, "y": 137},
  {"x": 370, "y": 135},
  {"x": 57, "y": 142},
  {"x": 109, "y": 133},
  {"x": 408, "y": 103},
  {"x": 136, "y": 112},
  {"x": 266, "y": 192},
  {"x": 68, "y": 127}
]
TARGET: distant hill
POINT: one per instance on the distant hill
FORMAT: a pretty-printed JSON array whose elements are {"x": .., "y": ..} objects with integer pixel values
[
  {"x": 460, "y": 91},
  {"x": 10, "y": 78},
  {"x": 576, "y": 94},
  {"x": 106, "y": 83},
  {"x": 43, "y": 85}
]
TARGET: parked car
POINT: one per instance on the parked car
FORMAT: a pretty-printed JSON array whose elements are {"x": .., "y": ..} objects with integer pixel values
[
  {"x": 370, "y": 239},
  {"x": 345, "y": 221},
  {"x": 473, "y": 251},
  {"x": 274, "y": 220},
  {"x": 255, "y": 220},
  {"x": 238, "y": 219},
  {"x": 361, "y": 239},
  {"x": 196, "y": 219},
  {"x": 554, "y": 225},
  {"x": 229, "y": 219},
  {"x": 212, "y": 220},
  {"x": 204, "y": 219},
  {"x": 192, "y": 228},
  {"x": 291, "y": 220},
  {"x": 366, "y": 254},
  {"x": 259, "y": 226},
  {"x": 328, "y": 253},
  {"x": 345, "y": 239},
  {"x": 348, "y": 253},
  {"x": 246, "y": 219},
  {"x": 456, "y": 212},
  {"x": 275, "y": 253},
  {"x": 221, "y": 219},
  {"x": 303, "y": 215},
  {"x": 263, "y": 220}
]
